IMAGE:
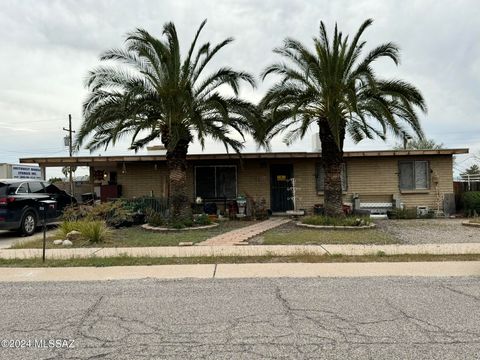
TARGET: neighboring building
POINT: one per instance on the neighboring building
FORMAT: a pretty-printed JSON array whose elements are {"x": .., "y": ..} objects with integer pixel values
[
  {"x": 16, "y": 171},
  {"x": 409, "y": 177}
]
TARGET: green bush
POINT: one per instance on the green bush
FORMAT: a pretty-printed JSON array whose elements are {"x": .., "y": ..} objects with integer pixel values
[
  {"x": 202, "y": 220},
  {"x": 75, "y": 212},
  {"x": 92, "y": 231},
  {"x": 407, "y": 213},
  {"x": 67, "y": 226},
  {"x": 113, "y": 213},
  {"x": 156, "y": 219},
  {"x": 337, "y": 221},
  {"x": 471, "y": 201}
]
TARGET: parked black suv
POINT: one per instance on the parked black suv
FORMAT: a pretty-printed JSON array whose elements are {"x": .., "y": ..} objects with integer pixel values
[{"x": 20, "y": 207}]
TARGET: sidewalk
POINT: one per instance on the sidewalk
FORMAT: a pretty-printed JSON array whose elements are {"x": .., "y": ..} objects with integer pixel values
[
  {"x": 231, "y": 271},
  {"x": 239, "y": 236},
  {"x": 247, "y": 250}
]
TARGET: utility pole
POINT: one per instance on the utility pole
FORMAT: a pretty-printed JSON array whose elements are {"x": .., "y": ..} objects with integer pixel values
[{"x": 70, "y": 148}]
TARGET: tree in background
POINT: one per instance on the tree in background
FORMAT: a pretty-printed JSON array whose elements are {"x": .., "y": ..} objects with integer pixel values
[
  {"x": 335, "y": 87},
  {"x": 472, "y": 170},
  {"x": 148, "y": 91},
  {"x": 419, "y": 144}
]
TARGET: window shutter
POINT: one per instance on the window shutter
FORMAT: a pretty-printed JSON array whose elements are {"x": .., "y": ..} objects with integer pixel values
[
  {"x": 406, "y": 175},
  {"x": 421, "y": 175}
]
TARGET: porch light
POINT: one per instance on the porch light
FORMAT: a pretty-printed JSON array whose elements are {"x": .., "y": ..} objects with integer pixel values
[{"x": 124, "y": 168}]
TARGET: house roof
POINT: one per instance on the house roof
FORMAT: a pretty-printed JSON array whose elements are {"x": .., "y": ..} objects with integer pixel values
[{"x": 99, "y": 160}]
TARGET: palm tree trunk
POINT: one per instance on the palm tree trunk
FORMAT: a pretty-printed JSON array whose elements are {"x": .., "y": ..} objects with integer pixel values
[
  {"x": 332, "y": 159},
  {"x": 178, "y": 196}
]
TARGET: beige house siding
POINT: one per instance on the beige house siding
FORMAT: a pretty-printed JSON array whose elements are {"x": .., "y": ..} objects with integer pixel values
[
  {"x": 376, "y": 180},
  {"x": 373, "y": 178},
  {"x": 143, "y": 179}
]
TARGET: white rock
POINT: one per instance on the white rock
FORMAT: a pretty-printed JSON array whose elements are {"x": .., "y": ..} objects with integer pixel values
[
  {"x": 57, "y": 242},
  {"x": 67, "y": 243},
  {"x": 74, "y": 235}
]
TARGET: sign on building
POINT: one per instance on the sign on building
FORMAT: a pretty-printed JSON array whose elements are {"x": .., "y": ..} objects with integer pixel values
[{"x": 26, "y": 172}]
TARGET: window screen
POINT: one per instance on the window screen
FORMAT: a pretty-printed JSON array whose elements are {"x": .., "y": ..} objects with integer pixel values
[
  {"x": 413, "y": 175},
  {"x": 226, "y": 182},
  {"x": 215, "y": 182},
  {"x": 421, "y": 175},
  {"x": 320, "y": 174}
]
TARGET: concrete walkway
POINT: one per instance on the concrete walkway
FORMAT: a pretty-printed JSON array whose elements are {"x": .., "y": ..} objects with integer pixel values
[
  {"x": 250, "y": 250},
  {"x": 230, "y": 271},
  {"x": 239, "y": 236}
]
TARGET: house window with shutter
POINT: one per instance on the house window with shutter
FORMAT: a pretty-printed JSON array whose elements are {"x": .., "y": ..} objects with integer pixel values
[
  {"x": 414, "y": 175},
  {"x": 320, "y": 177}
]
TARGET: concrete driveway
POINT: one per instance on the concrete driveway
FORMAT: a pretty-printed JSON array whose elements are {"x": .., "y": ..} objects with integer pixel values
[{"x": 8, "y": 238}]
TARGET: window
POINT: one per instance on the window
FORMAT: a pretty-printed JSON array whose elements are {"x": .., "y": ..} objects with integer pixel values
[
  {"x": 36, "y": 188},
  {"x": 320, "y": 175},
  {"x": 18, "y": 189},
  {"x": 413, "y": 175},
  {"x": 216, "y": 182}
]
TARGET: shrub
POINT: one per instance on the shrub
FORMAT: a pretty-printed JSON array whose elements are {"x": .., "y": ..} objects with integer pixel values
[
  {"x": 337, "y": 221},
  {"x": 156, "y": 219},
  {"x": 67, "y": 226},
  {"x": 113, "y": 213},
  {"x": 407, "y": 213},
  {"x": 75, "y": 212},
  {"x": 92, "y": 231},
  {"x": 471, "y": 201},
  {"x": 202, "y": 220}
]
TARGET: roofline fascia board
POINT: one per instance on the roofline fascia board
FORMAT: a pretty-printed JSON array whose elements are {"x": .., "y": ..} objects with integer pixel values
[{"x": 93, "y": 160}]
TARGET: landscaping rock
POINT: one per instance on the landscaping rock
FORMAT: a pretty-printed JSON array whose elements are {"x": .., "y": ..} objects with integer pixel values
[
  {"x": 67, "y": 243},
  {"x": 185, "y": 243},
  {"x": 57, "y": 242},
  {"x": 74, "y": 235}
]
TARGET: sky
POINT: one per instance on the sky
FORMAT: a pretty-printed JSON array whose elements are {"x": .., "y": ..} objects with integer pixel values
[{"x": 48, "y": 47}]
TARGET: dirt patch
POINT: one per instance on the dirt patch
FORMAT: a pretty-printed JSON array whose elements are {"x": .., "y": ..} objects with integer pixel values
[{"x": 430, "y": 231}]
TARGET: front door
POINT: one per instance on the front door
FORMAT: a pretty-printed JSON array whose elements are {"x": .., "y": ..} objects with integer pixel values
[{"x": 279, "y": 184}]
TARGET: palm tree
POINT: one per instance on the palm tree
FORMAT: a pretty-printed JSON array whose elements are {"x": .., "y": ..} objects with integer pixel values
[
  {"x": 147, "y": 91},
  {"x": 337, "y": 89}
]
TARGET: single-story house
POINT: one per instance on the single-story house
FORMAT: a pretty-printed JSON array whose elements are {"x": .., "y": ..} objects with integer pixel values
[{"x": 409, "y": 178}]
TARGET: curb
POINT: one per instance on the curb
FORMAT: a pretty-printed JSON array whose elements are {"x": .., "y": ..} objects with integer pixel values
[
  {"x": 468, "y": 223},
  {"x": 334, "y": 227},
  {"x": 156, "y": 228},
  {"x": 238, "y": 271}
]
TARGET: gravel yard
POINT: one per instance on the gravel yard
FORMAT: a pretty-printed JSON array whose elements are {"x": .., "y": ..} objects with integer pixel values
[{"x": 430, "y": 231}]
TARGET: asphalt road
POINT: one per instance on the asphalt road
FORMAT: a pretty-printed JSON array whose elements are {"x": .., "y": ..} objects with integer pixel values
[{"x": 352, "y": 318}]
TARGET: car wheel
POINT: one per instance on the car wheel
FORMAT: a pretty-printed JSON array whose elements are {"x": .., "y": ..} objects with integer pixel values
[{"x": 29, "y": 224}]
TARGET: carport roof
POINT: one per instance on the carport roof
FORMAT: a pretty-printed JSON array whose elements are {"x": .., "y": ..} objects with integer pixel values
[{"x": 102, "y": 160}]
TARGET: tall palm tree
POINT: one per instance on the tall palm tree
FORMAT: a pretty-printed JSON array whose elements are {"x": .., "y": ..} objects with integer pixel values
[
  {"x": 147, "y": 91},
  {"x": 337, "y": 89}
]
